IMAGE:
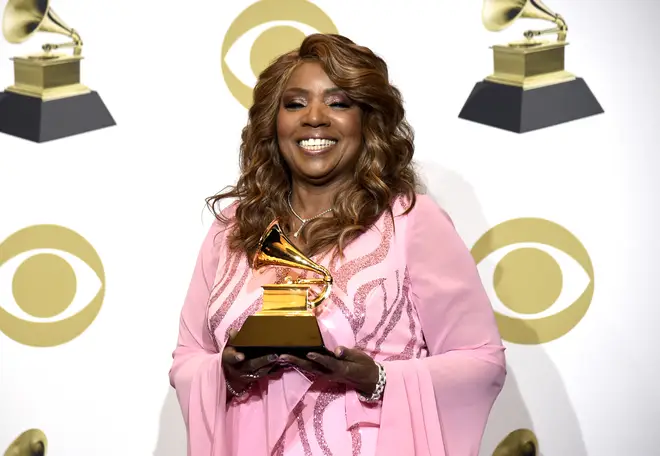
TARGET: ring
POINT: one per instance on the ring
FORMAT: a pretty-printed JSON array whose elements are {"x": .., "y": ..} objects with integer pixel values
[{"x": 254, "y": 376}]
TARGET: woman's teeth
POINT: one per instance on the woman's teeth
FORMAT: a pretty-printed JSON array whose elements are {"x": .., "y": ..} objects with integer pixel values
[{"x": 316, "y": 144}]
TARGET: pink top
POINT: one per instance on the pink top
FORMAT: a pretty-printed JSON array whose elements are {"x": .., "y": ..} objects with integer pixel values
[{"x": 408, "y": 293}]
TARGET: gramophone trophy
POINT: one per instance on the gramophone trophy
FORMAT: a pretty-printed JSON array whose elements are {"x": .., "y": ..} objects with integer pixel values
[
  {"x": 47, "y": 100},
  {"x": 529, "y": 88},
  {"x": 286, "y": 323}
]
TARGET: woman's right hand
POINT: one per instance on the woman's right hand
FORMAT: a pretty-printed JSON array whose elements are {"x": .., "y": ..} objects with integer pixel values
[{"x": 239, "y": 372}]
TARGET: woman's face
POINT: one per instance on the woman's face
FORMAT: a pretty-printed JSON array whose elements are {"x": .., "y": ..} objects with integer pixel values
[{"x": 319, "y": 129}]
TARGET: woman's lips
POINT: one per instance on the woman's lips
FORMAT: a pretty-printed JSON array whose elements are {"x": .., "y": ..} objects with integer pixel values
[{"x": 316, "y": 146}]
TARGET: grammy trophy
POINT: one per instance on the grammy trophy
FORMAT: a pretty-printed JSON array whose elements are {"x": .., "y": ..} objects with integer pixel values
[
  {"x": 286, "y": 323},
  {"x": 47, "y": 100},
  {"x": 529, "y": 89}
]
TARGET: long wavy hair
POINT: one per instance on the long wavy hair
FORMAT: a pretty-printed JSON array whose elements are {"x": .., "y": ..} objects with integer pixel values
[{"x": 384, "y": 169}]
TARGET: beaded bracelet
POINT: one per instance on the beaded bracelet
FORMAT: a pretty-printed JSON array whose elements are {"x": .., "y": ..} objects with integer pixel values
[
  {"x": 380, "y": 387},
  {"x": 234, "y": 393}
]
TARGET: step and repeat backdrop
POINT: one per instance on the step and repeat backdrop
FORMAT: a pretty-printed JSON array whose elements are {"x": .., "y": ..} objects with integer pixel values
[{"x": 99, "y": 230}]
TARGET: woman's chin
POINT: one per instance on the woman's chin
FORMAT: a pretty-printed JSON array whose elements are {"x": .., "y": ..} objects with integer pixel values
[{"x": 316, "y": 168}]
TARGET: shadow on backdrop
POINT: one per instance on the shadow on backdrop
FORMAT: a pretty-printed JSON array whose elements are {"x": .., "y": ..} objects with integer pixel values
[
  {"x": 557, "y": 423},
  {"x": 456, "y": 196},
  {"x": 172, "y": 440},
  {"x": 556, "y": 426}
]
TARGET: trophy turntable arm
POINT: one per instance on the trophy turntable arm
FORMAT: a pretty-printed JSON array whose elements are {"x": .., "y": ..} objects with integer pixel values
[
  {"x": 76, "y": 44},
  {"x": 327, "y": 287},
  {"x": 560, "y": 30},
  {"x": 310, "y": 281}
]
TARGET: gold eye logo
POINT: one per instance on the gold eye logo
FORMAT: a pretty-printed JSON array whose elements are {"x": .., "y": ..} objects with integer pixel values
[
  {"x": 44, "y": 286},
  {"x": 32, "y": 442},
  {"x": 273, "y": 41},
  {"x": 529, "y": 280}
]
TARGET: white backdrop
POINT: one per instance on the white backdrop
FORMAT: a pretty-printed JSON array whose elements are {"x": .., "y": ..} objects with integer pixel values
[{"x": 135, "y": 193}]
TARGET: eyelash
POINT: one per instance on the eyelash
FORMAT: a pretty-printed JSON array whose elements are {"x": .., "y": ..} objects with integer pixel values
[{"x": 296, "y": 105}]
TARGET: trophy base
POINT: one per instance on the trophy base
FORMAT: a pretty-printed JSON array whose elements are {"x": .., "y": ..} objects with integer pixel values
[
  {"x": 38, "y": 120},
  {"x": 521, "y": 110},
  {"x": 296, "y": 335}
]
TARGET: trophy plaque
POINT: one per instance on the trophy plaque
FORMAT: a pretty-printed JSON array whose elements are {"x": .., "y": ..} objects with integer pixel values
[
  {"x": 47, "y": 100},
  {"x": 286, "y": 323},
  {"x": 529, "y": 88}
]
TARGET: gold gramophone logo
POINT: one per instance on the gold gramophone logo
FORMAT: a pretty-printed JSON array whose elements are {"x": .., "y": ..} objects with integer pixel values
[
  {"x": 281, "y": 37},
  {"x": 45, "y": 286},
  {"x": 528, "y": 280},
  {"x": 529, "y": 88},
  {"x": 47, "y": 100}
]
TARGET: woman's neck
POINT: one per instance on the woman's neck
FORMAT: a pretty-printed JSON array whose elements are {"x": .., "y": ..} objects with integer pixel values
[{"x": 309, "y": 201}]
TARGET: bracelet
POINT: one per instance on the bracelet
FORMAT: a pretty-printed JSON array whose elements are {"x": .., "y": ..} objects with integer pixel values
[
  {"x": 380, "y": 387},
  {"x": 234, "y": 393}
]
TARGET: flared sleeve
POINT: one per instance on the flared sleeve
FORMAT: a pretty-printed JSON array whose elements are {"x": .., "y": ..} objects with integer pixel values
[
  {"x": 444, "y": 399},
  {"x": 196, "y": 372}
]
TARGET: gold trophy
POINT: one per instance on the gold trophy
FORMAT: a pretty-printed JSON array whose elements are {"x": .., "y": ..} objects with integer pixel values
[
  {"x": 32, "y": 442},
  {"x": 47, "y": 100},
  {"x": 286, "y": 323},
  {"x": 529, "y": 88}
]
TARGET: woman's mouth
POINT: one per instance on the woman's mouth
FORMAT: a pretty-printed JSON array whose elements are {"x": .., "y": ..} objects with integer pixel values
[{"x": 316, "y": 145}]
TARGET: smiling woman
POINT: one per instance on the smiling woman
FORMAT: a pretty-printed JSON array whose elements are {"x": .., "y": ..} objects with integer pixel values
[
  {"x": 330, "y": 89},
  {"x": 418, "y": 360},
  {"x": 319, "y": 128}
]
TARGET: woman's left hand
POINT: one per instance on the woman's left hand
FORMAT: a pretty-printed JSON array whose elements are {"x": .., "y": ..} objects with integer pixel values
[{"x": 350, "y": 366}]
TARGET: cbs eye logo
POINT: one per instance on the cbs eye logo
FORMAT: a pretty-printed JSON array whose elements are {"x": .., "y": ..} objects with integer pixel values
[
  {"x": 528, "y": 280},
  {"x": 269, "y": 25},
  {"x": 30, "y": 442},
  {"x": 48, "y": 306}
]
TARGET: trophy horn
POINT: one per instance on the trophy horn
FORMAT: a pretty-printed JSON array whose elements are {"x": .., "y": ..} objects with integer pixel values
[
  {"x": 23, "y": 18},
  {"x": 497, "y": 15},
  {"x": 275, "y": 249}
]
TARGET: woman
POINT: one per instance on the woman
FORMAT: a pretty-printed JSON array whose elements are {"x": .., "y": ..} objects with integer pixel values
[{"x": 418, "y": 360}]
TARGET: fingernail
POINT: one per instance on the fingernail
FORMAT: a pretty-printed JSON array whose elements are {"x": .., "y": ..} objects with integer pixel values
[
  {"x": 273, "y": 358},
  {"x": 340, "y": 352},
  {"x": 311, "y": 355},
  {"x": 240, "y": 357}
]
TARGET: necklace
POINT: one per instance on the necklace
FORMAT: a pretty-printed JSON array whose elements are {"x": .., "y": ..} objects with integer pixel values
[{"x": 303, "y": 221}]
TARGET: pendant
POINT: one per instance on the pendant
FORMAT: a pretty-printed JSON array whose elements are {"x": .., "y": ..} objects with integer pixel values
[{"x": 295, "y": 235}]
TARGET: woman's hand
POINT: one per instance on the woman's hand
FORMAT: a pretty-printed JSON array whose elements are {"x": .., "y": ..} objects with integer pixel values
[
  {"x": 239, "y": 372},
  {"x": 350, "y": 366}
]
